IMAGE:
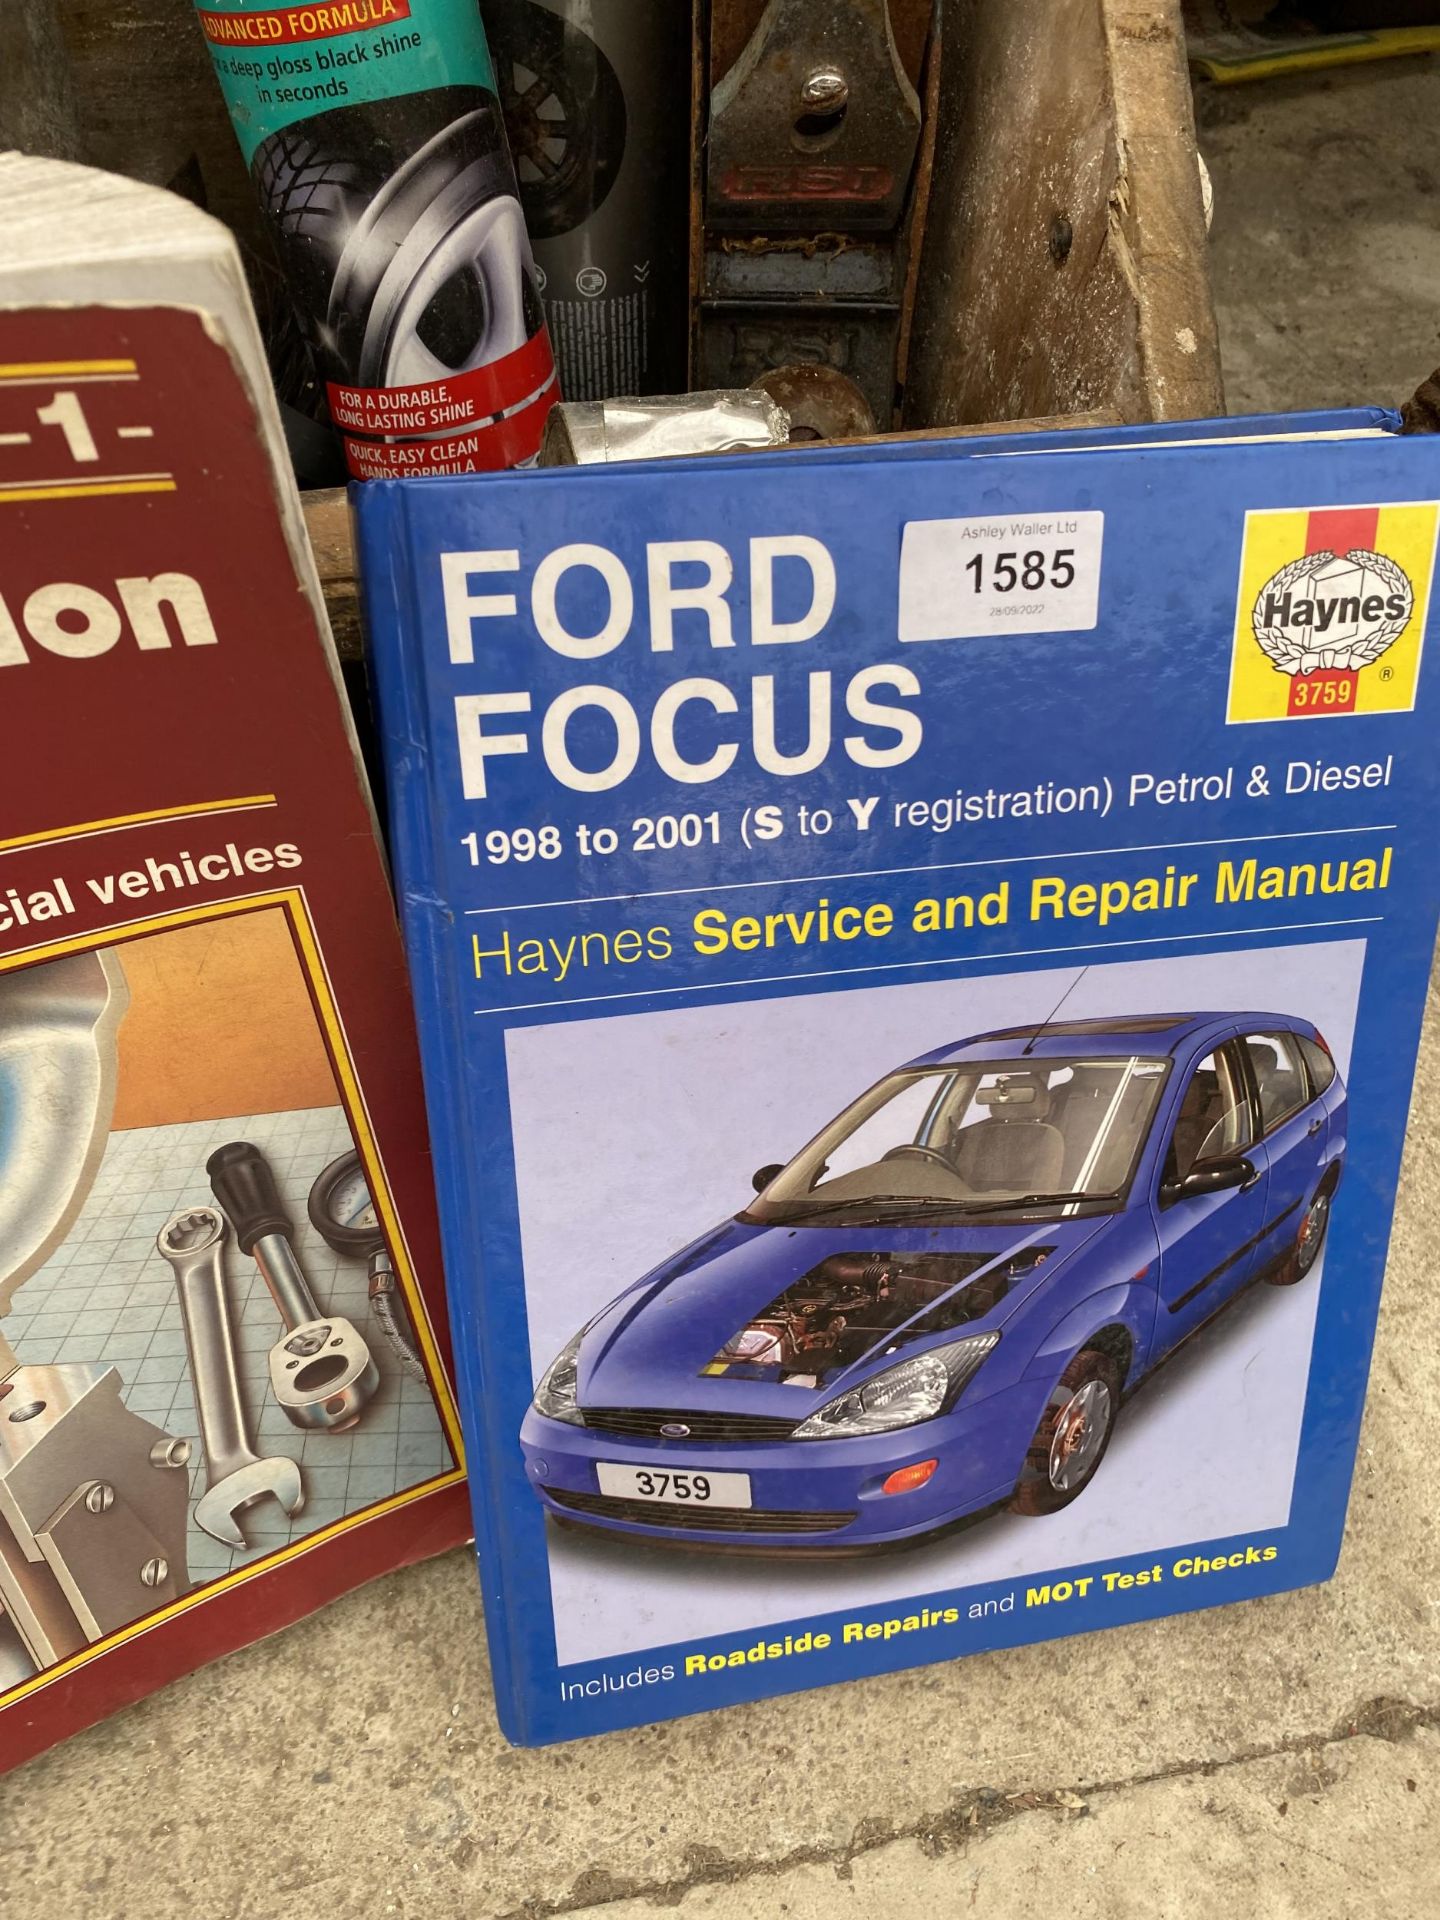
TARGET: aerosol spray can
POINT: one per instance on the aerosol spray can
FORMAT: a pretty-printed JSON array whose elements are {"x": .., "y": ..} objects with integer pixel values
[
  {"x": 374, "y": 135},
  {"x": 597, "y": 97}
]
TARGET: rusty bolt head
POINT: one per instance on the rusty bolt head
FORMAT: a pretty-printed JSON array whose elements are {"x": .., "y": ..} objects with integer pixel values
[
  {"x": 100, "y": 1498},
  {"x": 155, "y": 1573},
  {"x": 825, "y": 91}
]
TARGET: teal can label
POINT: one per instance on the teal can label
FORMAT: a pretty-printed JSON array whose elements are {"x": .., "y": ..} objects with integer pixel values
[
  {"x": 374, "y": 137},
  {"x": 281, "y": 64}
]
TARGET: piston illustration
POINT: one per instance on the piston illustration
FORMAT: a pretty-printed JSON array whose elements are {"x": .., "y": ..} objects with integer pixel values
[{"x": 93, "y": 1499}]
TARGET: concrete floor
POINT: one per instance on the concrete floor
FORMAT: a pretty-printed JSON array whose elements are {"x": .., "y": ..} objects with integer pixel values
[
  {"x": 1283, "y": 1757},
  {"x": 1325, "y": 254}
]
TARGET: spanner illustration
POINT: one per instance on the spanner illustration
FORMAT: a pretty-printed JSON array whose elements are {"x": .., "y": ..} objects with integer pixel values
[
  {"x": 193, "y": 1243},
  {"x": 321, "y": 1373}
]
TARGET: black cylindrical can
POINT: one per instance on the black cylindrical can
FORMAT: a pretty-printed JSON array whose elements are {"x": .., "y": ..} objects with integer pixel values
[{"x": 597, "y": 99}]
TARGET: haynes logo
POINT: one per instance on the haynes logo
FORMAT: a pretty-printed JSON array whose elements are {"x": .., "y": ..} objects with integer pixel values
[{"x": 1332, "y": 608}]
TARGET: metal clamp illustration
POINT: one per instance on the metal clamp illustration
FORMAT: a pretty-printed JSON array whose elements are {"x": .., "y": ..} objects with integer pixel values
[{"x": 343, "y": 1213}]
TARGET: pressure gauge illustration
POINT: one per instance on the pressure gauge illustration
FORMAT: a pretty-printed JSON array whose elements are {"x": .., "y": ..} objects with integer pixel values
[{"x": 343, "y": 1212}]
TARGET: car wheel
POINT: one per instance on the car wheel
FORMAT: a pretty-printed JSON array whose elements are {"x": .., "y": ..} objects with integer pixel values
[
  {"x": 1072, "y": 1436},
  {"x": 1308, "y": 1242}
]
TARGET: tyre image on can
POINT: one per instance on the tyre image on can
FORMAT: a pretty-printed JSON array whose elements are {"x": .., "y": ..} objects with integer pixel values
[
  {"x": 404, "y": 237},
  {"x": 435, "y": 276}
]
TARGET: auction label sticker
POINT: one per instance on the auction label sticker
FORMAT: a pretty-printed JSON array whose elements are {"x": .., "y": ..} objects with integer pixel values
[{"x": 1000, "y": 573}]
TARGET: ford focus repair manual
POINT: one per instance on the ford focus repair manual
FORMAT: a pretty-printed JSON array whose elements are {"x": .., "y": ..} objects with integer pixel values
[{"x": 920, "y": 963}]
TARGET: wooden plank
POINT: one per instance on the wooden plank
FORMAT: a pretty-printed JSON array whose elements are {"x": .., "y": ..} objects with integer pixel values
[
  {"x": 1064, "y": 263},
  {"x": 921, "y": 191},
  {"x": 1160, "y": 218},
  {"x": 327, "y": 521}
]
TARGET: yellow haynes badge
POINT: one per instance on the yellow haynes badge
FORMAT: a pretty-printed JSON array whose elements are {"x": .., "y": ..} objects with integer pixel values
[{"x": 1332, "y": 610}]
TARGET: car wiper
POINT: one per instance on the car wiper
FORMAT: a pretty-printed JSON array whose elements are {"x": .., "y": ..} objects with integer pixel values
[
  {"x": 1045, "y": 1200},
  {"x": 881, "y": 1213},
  {"x": 878, "y": 1214}
]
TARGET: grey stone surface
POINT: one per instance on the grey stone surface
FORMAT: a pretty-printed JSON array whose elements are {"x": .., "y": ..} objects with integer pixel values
[
  {"x": 1326, "y": 234},
  {"x": 353, "y": 1765},
  {"x": 1296, "y": 1833}
]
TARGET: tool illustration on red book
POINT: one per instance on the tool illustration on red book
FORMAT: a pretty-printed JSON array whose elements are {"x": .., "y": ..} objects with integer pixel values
[
  {"x": 205, "y": 1423},
  {"x": 193, "y": 1243},
  {"x": 321, "y": 1372}
]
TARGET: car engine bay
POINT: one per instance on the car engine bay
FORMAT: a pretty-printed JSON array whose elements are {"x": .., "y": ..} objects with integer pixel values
[{"x": 852, "y": 1303}]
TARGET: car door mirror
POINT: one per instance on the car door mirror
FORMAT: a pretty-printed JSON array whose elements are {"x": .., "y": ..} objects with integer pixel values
[
  {"x": 1214, "y": 1176},
  {"x": 762, "y": 1178}
]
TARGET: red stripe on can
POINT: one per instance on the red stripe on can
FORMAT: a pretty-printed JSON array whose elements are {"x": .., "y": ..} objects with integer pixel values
[
  {"x": 455, "y": 402},
  {"x": 490, "y": 448}
]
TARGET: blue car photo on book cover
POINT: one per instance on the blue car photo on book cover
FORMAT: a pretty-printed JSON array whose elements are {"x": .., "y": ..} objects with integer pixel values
[
  {"x": 920, "y": 965},
  {"x": 1019, "y": 1173}
]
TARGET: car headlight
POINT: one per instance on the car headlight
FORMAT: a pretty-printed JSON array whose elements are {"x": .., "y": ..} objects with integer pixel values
[
  {"x": 558, "y": 1394},
  {"x": 903, "y": 1395}
]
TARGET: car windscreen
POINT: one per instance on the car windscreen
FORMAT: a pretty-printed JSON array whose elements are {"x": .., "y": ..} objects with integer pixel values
[{"x": 978, "y": 1137}]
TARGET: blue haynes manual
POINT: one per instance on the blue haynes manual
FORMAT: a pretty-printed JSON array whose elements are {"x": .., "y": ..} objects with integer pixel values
[{"x": 920, "y": 962}]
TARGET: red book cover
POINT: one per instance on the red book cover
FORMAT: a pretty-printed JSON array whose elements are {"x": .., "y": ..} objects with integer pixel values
[{"x": 225, "y": 1392}]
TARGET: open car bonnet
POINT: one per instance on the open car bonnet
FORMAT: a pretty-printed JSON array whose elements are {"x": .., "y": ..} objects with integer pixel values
[{"x": 753, "y": 1318}]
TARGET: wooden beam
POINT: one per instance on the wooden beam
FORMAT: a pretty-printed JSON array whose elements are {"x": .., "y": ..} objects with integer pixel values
[{"x": 328, "y": 522}]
